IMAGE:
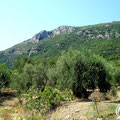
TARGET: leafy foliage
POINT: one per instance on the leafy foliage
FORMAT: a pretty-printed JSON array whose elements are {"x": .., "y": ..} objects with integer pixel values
[
  {"x": 31, "y": 72},
  {"x": 79, "y": 72},
  {"x": 44, "y": 100},
  {"x": 74, "y": 70},
  {"x": 4, "y": 76}
]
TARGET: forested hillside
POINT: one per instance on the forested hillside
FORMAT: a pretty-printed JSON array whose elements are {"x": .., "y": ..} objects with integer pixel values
[
  {"x": 44, "y": 84},
  {"x": 102, "y": 39}
]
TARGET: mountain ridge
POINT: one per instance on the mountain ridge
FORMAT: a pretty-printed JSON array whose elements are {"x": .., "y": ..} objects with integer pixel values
[
  {"x": 45, "y": 34},
  {"x": 51, "y": 43}
]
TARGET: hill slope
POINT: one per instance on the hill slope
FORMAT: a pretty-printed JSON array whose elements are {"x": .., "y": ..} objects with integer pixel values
[{"x": 103, "y": 39}]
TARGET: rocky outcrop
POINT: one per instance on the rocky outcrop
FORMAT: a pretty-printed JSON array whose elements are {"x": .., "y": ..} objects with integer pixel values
[
  {"x": 33, "y": 50},
  {"x": 117, "y": 35},
  {"x": 63, "y": 29},
  {"x": 28, "y": 47},
  {"x": 41, "y": 35},
  {"x": 45, "y": 34},
  {"x": 96, "y": 34},
  {"x": 9, "y": 52},
  {"x": 16, "y": 51}
]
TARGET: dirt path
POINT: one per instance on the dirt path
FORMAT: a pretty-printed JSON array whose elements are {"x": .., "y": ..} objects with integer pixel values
[
  {"x": 76, "y": 110},
  {"x": 80, "y": 111},
  {"x": 83, "y": 110}
]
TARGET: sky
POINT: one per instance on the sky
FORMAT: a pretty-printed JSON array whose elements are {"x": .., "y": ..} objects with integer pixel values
[{"x": 21, "y": 19}]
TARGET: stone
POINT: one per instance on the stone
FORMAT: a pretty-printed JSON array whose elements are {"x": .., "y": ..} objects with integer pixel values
[
  {"x": 77, "y": 110},
  {"x": 79, "y": 33},
  {"x": 64, "y": 29},
  {"x": 99, "y": 118},
  {"x": 68, "y": 116},
  {"x": 41, "y": 35},
  {"x": 83, "y": 118}
]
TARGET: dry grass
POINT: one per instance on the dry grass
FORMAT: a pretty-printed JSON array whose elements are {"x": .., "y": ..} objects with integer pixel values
[
  {"x": 79, "y": 111},
  {"x": 6, "y": 114},
  {"x": 10, "y": 109}
]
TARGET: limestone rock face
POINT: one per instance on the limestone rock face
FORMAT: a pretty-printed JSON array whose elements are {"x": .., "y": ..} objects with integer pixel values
[
  {"x": 41, "y": 35},
  {"x": 34, "y": 44},
  {"x": 63, "y": 29},
  {"x": 7, "y": 52},
  {"x": 34, "y": 49},
  {"x": 117, "y": 35},
  {"x": 45, "y": 34}
]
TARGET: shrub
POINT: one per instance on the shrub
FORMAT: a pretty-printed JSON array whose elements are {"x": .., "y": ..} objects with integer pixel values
[{"x": 44, "y": 100}]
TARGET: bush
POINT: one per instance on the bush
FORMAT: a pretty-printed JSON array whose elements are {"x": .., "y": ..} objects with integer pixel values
[{"x": 44, "y": 100}]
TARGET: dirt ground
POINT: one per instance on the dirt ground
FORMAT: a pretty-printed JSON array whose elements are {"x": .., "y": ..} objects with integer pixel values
[
  {"x": 83, "y": 110},
  {"x": 70, "y": 110},
  {"x": 10, "y": 109},
  {"x": 79, "y": 111}
]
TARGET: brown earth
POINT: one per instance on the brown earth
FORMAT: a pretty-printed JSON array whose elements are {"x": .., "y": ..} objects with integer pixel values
[{"x": 10, "y": 109}]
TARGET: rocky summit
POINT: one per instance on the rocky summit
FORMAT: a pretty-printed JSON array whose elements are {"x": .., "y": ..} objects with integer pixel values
[
  {"x": 18, "y": 49},
  {"x": 41, "y": 35},
  {"x": 45, "y": 34},
  {"x": 63, "y": 30}
]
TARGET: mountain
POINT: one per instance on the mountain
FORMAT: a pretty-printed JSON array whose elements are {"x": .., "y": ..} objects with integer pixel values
[{"x": 103, "y": 39}]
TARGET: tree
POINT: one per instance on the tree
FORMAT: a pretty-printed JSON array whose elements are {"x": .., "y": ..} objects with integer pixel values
[
  {"x": 79, "y": 71},
  {"x": 31, "y": 75},
  {"x": 4, "y": 76},
  {"x": 20, "y": 63}
]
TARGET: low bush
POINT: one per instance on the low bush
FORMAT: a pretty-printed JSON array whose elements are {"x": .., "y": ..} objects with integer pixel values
[{"x": 43, "y": 101}]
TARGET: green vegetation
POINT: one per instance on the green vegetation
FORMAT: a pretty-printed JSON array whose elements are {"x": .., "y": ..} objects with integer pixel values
[
  {"x": 74, "y": 70},
  {"x": 4, "y": 76},
  {"x": 48, "y": 82},
  {"x": 80, "y": 72},
  {"x": 102, "y": 39},
  {"x": 43, "y": 101},
  {"x": 57, "y": 71}
]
